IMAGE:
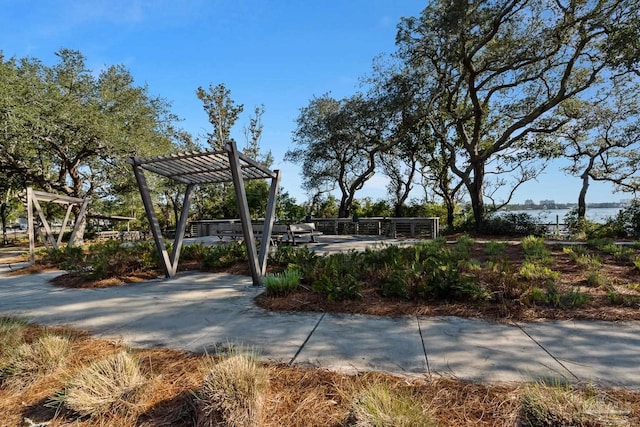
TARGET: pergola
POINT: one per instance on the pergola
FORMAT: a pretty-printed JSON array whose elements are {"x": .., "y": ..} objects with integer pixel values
[
  {"x": 192, "y": 168},
  {"x": 33, "y": 200}
]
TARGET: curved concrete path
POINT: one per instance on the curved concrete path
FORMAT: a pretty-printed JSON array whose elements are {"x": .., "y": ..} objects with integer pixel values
[{"x": 198, "y": 311}]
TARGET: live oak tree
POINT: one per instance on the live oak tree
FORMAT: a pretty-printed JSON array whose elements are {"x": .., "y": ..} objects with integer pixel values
[
  {"x": 603, "y": 141},
  {"x": 339, "y": 142},
  {"x": 66, "y": 129},
  {"x": 499, "y": 71}
]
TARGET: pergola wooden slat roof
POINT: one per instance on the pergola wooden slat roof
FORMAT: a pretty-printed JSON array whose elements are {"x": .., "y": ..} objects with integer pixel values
[
  {"x": 203, "y": 167},
  {"x": 192, "y": 168}
]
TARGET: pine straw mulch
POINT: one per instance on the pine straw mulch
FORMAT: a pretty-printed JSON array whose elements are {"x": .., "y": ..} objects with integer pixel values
[{"x": 295, "y": 396}]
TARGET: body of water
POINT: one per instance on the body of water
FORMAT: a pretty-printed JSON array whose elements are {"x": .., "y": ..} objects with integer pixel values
[{"x": 599, "y": 215}]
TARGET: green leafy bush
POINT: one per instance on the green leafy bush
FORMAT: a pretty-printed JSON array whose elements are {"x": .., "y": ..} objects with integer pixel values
[
  {"x": 223, "y": 256},
  {"x": 336, "y": 275},
  {"x": 194, "y": 252},
  {"x": 494, "y": 248},
  {"x": 68, "y": 258},
  {"x": 512, "y": 224},
  {"x": 282, "y": 284},
  {"x": 531, "y": 270}
]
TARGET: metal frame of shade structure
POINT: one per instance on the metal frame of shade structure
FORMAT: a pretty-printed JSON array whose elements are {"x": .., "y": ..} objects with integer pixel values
[{"x": 219, "y": 166}]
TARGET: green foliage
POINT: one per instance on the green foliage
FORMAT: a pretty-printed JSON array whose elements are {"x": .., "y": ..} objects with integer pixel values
[
  {"x": 69, "y": 258},
  {"x": 535, "y": 250},
  {"x": 282, "y": 284},
  {"x": 336, "y": 276},
  {"x": 628, "y": 220},
  {"x": 531, "y": 270},
  {"x": 67, "y": 120},
  {"x": 381, "y": 405},
  {"x": 224, "y": 255},
  {"x": 596, "y": 279},
  {"x": 105, "y": 259},
  {"x": 512, "y": 224},
  {"x": 300, "y": 257},
  {"x": 194, "y": 252},
  {"x": 494, "y": 248},
  {"x": 462, "y": 248},
  {"x": 619, "y": 252},
  {"x": 111, "y": 259},
  {"x": 574, "y": 298},
  {"x": 636, "y": 262}
]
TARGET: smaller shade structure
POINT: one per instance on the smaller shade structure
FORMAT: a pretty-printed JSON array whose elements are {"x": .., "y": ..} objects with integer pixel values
[
  {"x": 192, "y": 168},
  {"x": 33, "y": 201}
]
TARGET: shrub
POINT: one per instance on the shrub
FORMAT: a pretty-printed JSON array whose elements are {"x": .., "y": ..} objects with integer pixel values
[
  {"x": 628, "y": 220},
  {"x": 282, "y": 284},
  {"x": 582, "y": 228},
  {"x": 300, "y": 258},
  {"x": 531, "y": 270},
  {"x": 535, "y": 248},
  {"x": 336, "y": 275},
  {"x": 224, "y": 255},
  {"x": 380, "y": 405},
  {"x": 512, "y": 224},
  {"x": 494, "y": 248},
  {"x": 636, "y": 262},
  {"x": 69, "y": 258},
  {"x": 596, "y": 279},
  {"x": 441, "y": 278},
  {"x": 619, "y": 252},
  {"x": 574, "y": 298},
  {"x": 562, "y": 405},
  {"x": 232, "y": 393},
  {"x": 111, "y": 259},
  {"x": 194, "y": 252},
  {"x": 112, "y": 385}
]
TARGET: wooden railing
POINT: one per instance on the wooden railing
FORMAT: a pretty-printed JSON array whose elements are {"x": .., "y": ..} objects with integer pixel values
[{"x": 420, "y": 227}]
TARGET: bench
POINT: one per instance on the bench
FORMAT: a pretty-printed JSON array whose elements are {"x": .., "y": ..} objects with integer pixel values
[
  {"x": 304, "y": 230},
  {"x": 234, "y": 231}
]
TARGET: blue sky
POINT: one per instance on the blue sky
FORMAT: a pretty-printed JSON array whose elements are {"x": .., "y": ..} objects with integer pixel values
[{"x": 277, "y": 53}]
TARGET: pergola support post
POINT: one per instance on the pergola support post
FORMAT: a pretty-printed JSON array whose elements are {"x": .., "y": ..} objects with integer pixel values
[
  {"x": 180, "y": 229},
  {"x": 269, "y": 219},
  {"x": 243, "y": 209},
  {"x": 49, "y": 240},
  {"x": 194, "y": 168},
  {"x": 151, "y": 215}
]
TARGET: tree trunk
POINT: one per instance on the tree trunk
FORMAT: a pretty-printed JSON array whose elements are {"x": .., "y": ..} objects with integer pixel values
[
  {"x": 451, "y": 207},
  {"x": 398, "y": 210},
  {"x": 3, "y": 216},
  {"x": 582, "y": 197},
  {"x": 477, "y": 198}
]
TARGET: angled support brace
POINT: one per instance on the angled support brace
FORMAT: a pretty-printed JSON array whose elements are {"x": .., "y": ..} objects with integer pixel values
[
  {"x": 79, "y": 220},
  {"x": 180, "y": 229},
  {"x": 151, "y": 215},
  {"x": 243, "y": 209},
  {"x": 169, "y": 263},
  {"x": 268, "y": 223}
]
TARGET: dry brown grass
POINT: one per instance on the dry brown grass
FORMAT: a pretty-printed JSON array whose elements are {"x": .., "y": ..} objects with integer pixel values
[
  {"x": 112, "y": 385},
  {"x": 383, "y": 405},
  {"x": 293, "y": 396},
  {"x": 232, "y": 393},
  {"x": 29, "y": 363},
  {"x": 563, "y": 405}
]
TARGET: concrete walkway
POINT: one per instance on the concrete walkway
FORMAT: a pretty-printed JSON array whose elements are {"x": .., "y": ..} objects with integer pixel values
[{"x": 197, "y": 311}]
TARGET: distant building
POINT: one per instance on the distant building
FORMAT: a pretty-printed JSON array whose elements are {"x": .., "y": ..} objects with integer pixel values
[
  {"x": 529, "y": 202},
  {"x": 547, "y": 204}
]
